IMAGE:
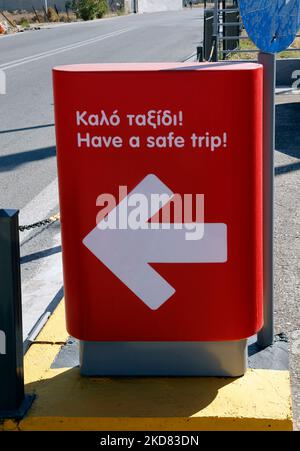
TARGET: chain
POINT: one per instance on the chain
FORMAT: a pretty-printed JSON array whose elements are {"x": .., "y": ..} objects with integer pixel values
[{"x": 42, "y": 223}]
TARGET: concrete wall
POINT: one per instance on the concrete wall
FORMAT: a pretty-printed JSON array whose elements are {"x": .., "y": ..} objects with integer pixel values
[
  {"x": 150, "y": 6},
  {"x": 11, "y": 5},
  {"x": 129, "y": 6}
]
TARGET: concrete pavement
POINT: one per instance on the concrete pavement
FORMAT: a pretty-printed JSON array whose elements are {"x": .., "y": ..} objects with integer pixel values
[{"x": 287, "y": 237}]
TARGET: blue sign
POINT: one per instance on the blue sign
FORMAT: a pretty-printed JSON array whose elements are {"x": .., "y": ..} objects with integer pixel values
[{"x": 271, "y": 24}]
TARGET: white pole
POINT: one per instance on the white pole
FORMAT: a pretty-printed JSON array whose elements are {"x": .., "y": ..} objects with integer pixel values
[
  {"x": 46, "y": 6},
  {"x": 268, "y": 60}
]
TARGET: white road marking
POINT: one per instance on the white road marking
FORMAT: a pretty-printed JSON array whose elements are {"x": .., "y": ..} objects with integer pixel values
[{"x": 58, "y": 50}]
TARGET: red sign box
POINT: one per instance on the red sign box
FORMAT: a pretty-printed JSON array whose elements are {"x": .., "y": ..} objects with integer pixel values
[{"x": 127, "y": 133}]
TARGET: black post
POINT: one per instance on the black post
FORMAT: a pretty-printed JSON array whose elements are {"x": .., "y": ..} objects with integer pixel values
[
  {"x": 200, "y": 53},
  {"x": 12, "y": 400}
]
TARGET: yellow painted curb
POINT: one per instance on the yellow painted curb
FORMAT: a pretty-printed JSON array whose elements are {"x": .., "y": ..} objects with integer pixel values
[
  {"x": 260, "y": 400},
  {"x": 54, "y": 330}
]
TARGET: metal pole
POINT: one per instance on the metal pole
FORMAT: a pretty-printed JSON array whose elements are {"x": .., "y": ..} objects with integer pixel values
[
  {"x": 46, "y": 6},
  {"x": 12, "y": 400},
  {"x": 215, "y": 30},
  {"x": 266, "y": 336}
]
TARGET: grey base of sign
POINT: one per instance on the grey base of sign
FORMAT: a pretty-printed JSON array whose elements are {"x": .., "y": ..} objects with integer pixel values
[{"x": 163, "y": 358}]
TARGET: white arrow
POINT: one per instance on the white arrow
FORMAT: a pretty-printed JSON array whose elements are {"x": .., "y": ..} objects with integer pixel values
[{"x": 127, "y": 253}]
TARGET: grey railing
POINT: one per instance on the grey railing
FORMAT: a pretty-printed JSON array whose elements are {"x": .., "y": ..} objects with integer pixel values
[{"x": 222, "y": 32}]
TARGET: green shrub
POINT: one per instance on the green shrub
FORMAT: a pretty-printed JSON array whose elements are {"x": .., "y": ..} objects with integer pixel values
[
  {"x": 102, "y": 9},
  {"x": 24, "y": 22},
  {"x": 90, "y": 9}
]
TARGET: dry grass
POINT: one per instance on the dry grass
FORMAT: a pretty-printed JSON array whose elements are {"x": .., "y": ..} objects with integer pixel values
[
  {"x": 25, "y": 17},
  {"x": 295, "y": 54}
]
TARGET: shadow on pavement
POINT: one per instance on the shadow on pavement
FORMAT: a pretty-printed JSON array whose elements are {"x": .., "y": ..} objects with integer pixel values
[
  {"x": 11, "y": 162},
  {"x": 280, "y": 170},
  {"x": 41, "y": 254},
  {"x": 15, "y": 130}
]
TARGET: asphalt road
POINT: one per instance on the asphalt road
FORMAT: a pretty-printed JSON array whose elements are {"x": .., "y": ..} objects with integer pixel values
[{"x": 28, "y": 178}]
